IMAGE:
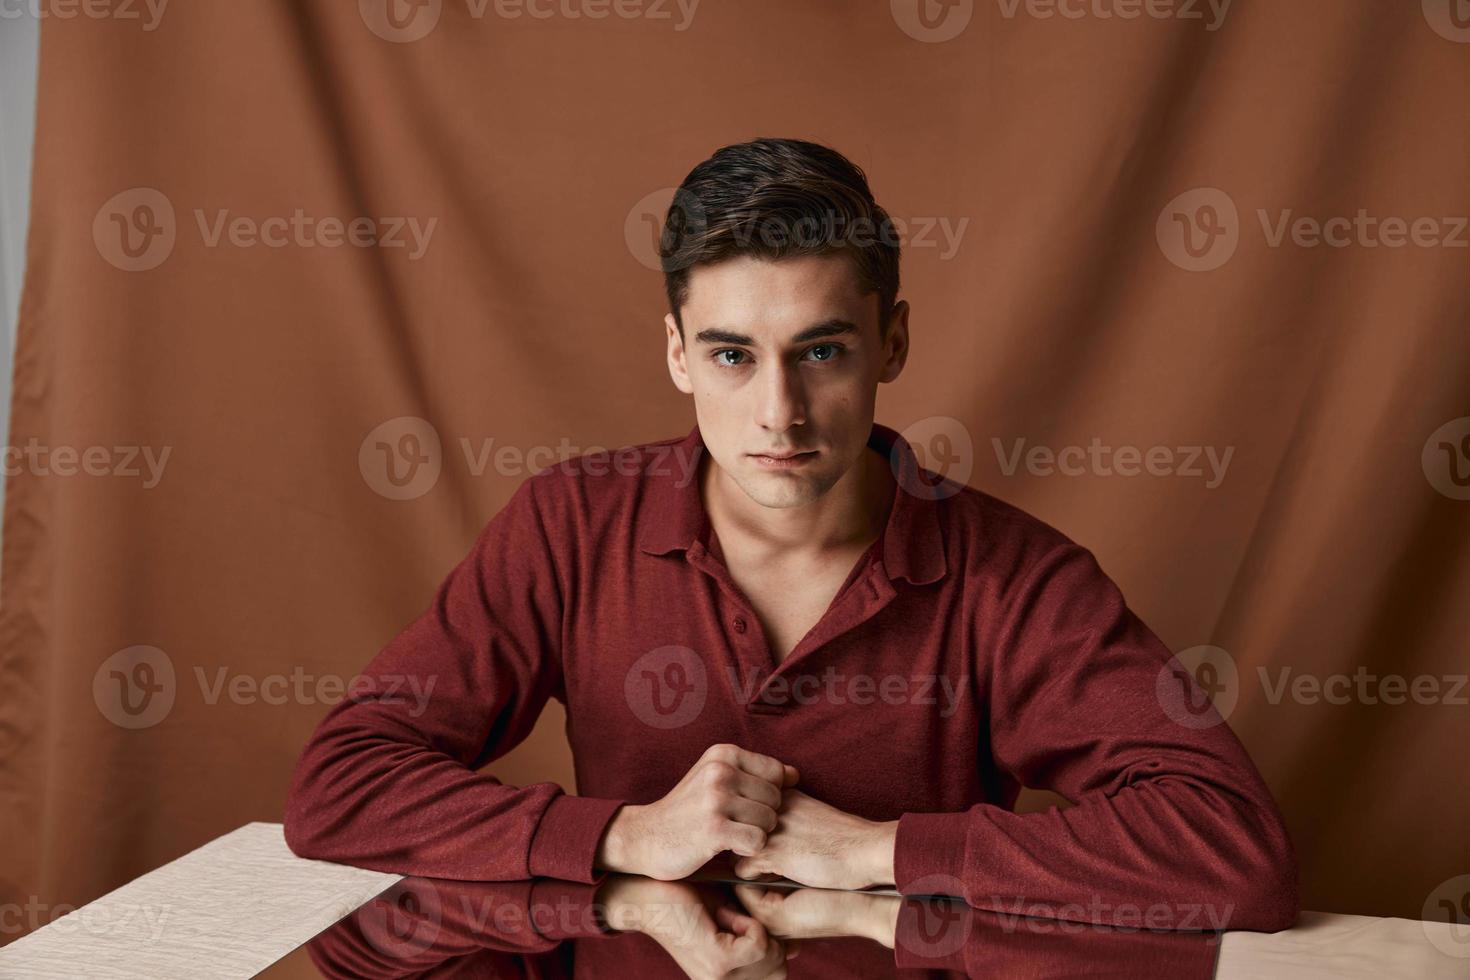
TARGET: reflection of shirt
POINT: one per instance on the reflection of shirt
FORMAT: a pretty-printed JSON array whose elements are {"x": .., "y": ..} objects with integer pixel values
[
  {"x": 972, "y": 650},
  {"x": 432, "y": 927}
]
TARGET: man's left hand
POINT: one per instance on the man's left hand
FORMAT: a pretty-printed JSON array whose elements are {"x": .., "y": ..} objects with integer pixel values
[{"x": 821, "y": 846}]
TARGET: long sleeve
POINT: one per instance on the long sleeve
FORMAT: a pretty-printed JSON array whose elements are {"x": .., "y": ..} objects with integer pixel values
[
  {"x": 1169, "y": 819},
  {"x": 389, "y": 779},
  {"x": 428, "y": 927}
]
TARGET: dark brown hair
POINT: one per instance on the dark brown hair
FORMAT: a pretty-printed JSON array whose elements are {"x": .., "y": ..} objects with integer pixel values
[{"x": 776, "y": 198}]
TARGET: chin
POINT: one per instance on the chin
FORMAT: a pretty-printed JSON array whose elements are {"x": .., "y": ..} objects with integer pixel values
[{"x": 780, "y": 490}]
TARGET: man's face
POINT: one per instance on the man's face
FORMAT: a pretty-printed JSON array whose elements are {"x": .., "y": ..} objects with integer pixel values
[{"x": 783, "y": 357}]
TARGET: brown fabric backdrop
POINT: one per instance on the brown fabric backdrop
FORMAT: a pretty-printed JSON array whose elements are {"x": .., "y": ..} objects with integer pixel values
[{"x": 1069, "y": 309}]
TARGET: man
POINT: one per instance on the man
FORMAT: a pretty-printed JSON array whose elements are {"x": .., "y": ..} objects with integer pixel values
[{"x": 779, "y": 636}]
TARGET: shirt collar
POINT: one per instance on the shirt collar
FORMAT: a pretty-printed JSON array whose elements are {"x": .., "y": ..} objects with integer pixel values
[{"x": 913, "y": 544}]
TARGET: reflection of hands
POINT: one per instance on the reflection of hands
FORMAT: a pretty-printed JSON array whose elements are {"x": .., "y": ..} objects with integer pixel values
[
  {"x": 819, "y": 845},
  {"x": 708, "y": 936},
  {"x": 816, "y": 913}
]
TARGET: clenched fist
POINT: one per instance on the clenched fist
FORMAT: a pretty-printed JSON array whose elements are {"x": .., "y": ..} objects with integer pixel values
[{"x": 727, "y": 801}]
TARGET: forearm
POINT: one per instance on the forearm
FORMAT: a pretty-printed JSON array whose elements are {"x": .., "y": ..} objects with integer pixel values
[{"x": 1183, "y": 852}]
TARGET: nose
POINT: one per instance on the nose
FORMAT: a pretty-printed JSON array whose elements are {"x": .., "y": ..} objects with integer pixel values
[{"x": 781, "y": 396}]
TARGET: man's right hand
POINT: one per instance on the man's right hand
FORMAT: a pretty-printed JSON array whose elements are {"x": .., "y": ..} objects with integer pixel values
[
  {"x": 708, "y": 935},
  {"x": 726, "y": 801}
]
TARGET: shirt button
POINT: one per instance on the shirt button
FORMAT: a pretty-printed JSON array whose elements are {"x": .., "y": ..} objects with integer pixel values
[{"x": 739, "y": 623}]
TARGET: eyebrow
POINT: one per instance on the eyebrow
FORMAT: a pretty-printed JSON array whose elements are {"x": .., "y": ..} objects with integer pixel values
[{"x": 831, "y": 327}]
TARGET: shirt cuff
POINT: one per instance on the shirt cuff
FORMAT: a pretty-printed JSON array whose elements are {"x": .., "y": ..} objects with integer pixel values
[
  {"x": 929, "y": 854},
  {"x": 932, "y": 937},
  {"x": 566, "y": 839},
  {"x": 568, "y": 909}
]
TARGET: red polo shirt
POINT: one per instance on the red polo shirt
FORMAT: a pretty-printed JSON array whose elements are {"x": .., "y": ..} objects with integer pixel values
[{"x": 973, "y": 650}]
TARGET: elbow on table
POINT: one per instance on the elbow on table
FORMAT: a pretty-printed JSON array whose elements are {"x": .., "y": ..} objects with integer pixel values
[
  {"x": 1267, "y": 905},
  {"x": 303, "y": 836},
  {"x": 1262, "y": 893},
  {"x": 308, "y": 833}
]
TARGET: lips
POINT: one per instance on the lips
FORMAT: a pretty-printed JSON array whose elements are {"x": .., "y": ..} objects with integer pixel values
[{"x": 784, "y": 455}]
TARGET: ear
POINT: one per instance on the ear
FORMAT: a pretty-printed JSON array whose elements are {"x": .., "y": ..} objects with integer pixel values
[
  {"x": 896, "y": 345},
  {"x": 678, "y": 368}
]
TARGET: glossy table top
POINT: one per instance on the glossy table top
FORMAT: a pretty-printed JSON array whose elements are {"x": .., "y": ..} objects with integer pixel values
[{"x": 243, "y": 905}]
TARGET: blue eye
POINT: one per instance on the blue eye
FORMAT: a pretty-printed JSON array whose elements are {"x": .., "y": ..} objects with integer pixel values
[
  {"x": 834, "y": 348},
  {"x": 719, "y": 354}
]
